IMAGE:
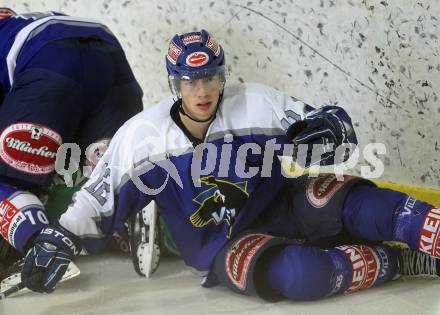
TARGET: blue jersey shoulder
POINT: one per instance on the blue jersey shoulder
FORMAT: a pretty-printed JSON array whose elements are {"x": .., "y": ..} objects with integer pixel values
[{"x": 24, "y": 35}]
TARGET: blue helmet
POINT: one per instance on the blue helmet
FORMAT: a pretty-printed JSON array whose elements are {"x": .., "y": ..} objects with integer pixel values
[{"x": 193, "y": 56}]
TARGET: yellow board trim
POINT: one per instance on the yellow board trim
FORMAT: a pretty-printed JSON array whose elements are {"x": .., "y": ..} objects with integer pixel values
[{"x": 428, "y": 195}]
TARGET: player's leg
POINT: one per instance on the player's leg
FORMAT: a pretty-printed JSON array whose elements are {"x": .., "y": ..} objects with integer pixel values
[
  {"x": 316, "y": 205},
  {"x": 275, "y": 268},
  {"x": 384, "y": 214},
  {"x": 324, "y": 206},
  {"x": 309, "y": 273},
  {"x": 112, "y": 93}
]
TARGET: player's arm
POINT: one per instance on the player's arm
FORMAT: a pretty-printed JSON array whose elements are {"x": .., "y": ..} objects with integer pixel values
[
  {"x": 107, "y": 199},
  {"x": 322, "y": 129},
  {"x": 328, "y": 122},
  {"x": 21, "y": 214}
]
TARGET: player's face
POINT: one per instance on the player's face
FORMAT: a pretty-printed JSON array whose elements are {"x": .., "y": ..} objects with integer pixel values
[
  {"x": 5, "y": 13},
  {"x": 200, "y": 97}
]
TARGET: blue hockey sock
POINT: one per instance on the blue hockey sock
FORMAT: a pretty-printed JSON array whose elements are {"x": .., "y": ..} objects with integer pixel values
[
  {"x": 384, "y": 214},
  {"x": 309, "y": 273}
]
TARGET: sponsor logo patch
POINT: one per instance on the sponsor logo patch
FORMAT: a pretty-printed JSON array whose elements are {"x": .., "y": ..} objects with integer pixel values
[
  {"x": 213, "y": 45},
  {"x": 384, "y": 261},
  {"x": 174, "y": 52},
  {"x": 29, "y": 148},
  {"x": 192, "y": 39},
  {"x": 240, "y": 256},
  {"x": 320, "y": 190},
  {"x": 408, "y": 207},
  {"x": 365, "y": 266},
  {"x": 7, "y": 214},
  {"x": 197, "y": 59},
  {"x": 429, "y": 242},
  {"x": 15, "y": 223}
]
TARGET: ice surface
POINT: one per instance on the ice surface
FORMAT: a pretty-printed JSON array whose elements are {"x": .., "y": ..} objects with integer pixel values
[{"x": 108, "y": 285}]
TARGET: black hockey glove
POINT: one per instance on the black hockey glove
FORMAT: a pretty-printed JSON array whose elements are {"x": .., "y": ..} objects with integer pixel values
[
  {"x": 46, "y": 262},
  {"x": 319, "y": 134}
]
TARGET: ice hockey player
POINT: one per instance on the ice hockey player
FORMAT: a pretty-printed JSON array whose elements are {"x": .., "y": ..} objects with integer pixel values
[
  {"x": 208, "y": 156},
  {"x": 63, "y": 80}
]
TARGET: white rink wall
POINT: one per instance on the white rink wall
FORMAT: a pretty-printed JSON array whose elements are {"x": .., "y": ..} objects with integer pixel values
[{"x": 377, "y": 59}]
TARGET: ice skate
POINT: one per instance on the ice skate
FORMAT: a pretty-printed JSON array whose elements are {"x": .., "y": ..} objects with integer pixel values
[
  {"x": 412, "y": 263},
  {"x": 144, "y": 241}
]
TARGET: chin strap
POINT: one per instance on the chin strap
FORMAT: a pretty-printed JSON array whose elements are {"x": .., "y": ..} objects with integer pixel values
[{"x": 182, "y": 111}]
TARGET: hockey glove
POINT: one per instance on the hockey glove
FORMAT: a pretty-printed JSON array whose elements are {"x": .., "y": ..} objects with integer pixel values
[
  {"x": 320, "y": 133},
  {"x": 46, "y": 262}
]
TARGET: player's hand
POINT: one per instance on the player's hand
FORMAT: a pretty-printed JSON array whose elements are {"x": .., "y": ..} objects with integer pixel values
[
  {"x": 323, "y": 130},
  {"x": 46, "y": 262}
]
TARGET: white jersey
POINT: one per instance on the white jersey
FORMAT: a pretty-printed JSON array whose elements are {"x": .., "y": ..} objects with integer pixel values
[{"x": 205, "y": 196}]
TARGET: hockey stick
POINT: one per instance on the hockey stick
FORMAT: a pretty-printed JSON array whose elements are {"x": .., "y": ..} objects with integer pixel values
[
  {"x": 12, "y": 284},
  {"x": 17, "y": 287}
]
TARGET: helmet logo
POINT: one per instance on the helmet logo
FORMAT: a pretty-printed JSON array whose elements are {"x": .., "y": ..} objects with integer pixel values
[
  {"x": 192, "y": 39},
  {"x": 213, "y": 45},
  {"x": 173, "y": 53},
  {"x": 197, "y": 59}
]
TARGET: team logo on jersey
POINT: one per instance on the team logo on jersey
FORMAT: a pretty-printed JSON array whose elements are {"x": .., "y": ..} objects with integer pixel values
[
  {"x": 197, "y": 59},
  {"x": 174, "y": 52},
  {"x": 29, "y": 148},
  {"x": 220, "y": 203},
  {"x": 321, "y": 189}
]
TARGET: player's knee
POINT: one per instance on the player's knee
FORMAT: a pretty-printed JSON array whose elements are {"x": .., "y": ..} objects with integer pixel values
[{"x": 301, "y": 273}]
